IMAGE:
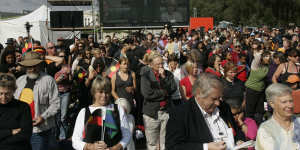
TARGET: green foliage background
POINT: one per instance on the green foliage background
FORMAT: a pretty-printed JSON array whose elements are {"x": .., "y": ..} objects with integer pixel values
[{"x": 249, "y": 12}]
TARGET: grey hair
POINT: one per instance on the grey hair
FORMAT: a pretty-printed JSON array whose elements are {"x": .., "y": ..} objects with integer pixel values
[
  {"x": 8, "y": 80},
  {"x": 205, "y": 84},
  {"x": 277, "y": 90},
  {"x": 123, "y": 102}
]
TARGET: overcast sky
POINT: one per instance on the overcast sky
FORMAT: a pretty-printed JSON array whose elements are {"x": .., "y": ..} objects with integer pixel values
[{"x": 19, "y": 5}]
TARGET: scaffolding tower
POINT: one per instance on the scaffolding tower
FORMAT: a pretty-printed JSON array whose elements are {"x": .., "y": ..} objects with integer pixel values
[{"x": 76, "y": 3}]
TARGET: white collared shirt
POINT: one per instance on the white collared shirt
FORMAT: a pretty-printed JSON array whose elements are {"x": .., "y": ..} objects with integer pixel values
[{"x": 216, "y": 125}]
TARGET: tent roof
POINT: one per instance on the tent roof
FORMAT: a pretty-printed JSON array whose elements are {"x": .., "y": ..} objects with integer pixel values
[
  {"x": 12, "y": 28},
  {"x": 39, "y": 14}
]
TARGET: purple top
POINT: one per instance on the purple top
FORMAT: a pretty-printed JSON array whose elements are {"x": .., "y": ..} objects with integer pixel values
[{"x": 272, "y": 69}]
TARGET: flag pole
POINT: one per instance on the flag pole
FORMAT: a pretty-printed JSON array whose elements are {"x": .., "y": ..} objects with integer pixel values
[
  {"x": 103, "y": 127},
  {"x": 28, "y": 26}
]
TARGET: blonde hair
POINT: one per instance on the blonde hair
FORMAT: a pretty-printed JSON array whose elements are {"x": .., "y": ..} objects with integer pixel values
[
  {"x": 189, "y": 66},
  {"x": 153, "y": 55},
  {"x": 149, "y": 57},
  {"x": 146, "y": 58},
  {"x": 100, "y": 84}
]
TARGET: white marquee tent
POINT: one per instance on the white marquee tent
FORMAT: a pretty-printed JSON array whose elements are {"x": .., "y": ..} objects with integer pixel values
[{"x": 13, "y": 28}]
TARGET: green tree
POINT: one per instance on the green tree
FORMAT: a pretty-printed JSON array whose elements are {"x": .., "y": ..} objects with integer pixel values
[{"x": 249, "y": 12}]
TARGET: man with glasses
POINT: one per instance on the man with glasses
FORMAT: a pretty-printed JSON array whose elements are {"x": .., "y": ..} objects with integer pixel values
[
  {"x": 205, "y": 122},
  {"x": 39, "y": 90}
]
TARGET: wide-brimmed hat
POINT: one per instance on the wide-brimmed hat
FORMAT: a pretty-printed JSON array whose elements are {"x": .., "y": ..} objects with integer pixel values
[
  {"x": 9, "y": 41},
  {"x": 31, "y": 59}
]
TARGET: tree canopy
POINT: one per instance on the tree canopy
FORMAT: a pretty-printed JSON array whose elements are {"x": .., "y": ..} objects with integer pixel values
[{"x": 249, "y": 12}]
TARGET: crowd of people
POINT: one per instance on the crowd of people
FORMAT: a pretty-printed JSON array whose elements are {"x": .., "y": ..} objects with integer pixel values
[{"x": 179, "y": 89}]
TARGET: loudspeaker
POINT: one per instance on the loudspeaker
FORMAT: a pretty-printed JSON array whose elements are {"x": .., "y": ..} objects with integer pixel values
[{"x": 66, "y": 19}]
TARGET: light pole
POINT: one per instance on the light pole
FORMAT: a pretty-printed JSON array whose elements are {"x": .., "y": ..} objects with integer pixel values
[
  {"x": 195, "y": 11},
  {"x": 28, "y": 26}
]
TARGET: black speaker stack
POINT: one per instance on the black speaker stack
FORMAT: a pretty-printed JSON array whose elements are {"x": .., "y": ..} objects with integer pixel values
[{"x": 66, "y": 19}]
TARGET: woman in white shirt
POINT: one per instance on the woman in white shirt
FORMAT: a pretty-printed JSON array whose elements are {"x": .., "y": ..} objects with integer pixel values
[
  {"x": 102, "y": 125},
  {"x": 282, "y": 130}
]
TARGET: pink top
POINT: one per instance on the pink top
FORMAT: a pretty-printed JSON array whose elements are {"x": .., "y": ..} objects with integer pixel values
[{"x": 252, "y": 128}]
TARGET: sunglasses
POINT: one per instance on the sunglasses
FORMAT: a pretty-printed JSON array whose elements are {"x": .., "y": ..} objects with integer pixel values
[
  {"x": 237, "y": 113},
  {"x": 51, "y": 47}
]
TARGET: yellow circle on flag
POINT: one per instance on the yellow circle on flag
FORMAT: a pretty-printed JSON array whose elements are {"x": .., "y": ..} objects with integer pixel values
[
  {"x": 80, "y": 75},
  {"x": 113, "y": 68}
]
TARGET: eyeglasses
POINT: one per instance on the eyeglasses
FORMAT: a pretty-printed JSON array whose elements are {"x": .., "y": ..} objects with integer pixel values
[
  {"x": 51, "y": 47},
  {"x": 295, "y": 56}
]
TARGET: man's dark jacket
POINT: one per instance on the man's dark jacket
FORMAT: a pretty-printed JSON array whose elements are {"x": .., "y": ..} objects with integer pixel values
[{"x": 188, "y": 130}]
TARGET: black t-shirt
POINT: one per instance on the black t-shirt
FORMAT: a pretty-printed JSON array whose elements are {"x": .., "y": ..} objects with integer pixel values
[
  {"x": 30, "y": 83},
  {"x": 134, "y": 56},
  {"x": 233, "y": 90}
]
